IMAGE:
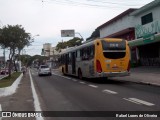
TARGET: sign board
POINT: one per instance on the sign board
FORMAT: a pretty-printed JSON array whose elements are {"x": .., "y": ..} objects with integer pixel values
[
  {"x": 67, "y": 33},
  {"x": 148, "y": 38}
]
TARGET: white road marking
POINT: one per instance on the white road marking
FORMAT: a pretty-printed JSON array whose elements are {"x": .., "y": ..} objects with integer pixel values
[
  {"x": 131, "y": 101},
  {"x": 35, "y": 97},
  {"x": 82, "y": 82},
  {"x": 74, "y": 80},
  {"x": 61, "y": 76},
  {"x": 109, "y": 91},
  {"x": 138, "y": 101},
  {"x": 0, "y": 111},
  {"x": 94, "y": 86}
]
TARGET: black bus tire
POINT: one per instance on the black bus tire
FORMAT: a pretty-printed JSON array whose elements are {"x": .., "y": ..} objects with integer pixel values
[{"x": 80, "y": 74}]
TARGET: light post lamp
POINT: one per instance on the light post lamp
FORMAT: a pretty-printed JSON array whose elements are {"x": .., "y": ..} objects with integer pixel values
[{"x": 79, "y": 35}]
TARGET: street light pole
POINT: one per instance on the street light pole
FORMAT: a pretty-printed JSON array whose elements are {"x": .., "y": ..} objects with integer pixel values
[{"x": 79, "y": 35}]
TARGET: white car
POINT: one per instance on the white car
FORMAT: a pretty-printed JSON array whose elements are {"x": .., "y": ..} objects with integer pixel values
[{"x": 44, "y": 70}]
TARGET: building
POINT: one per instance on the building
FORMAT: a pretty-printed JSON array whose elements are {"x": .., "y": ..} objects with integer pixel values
[
  {"x": 147, "y": 33},
  {"x": 141, "y": 27},
  {"x": 47, "y": 49},
  {"x": 121, "y": 26}
]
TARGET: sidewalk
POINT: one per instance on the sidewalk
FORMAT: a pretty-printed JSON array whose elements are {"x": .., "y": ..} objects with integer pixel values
[
  {"x": 22, "y": 100},
  {"x": 144, "y": 75}
]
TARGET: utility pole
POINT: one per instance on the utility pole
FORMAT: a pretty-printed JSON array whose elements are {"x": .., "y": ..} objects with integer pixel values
[{"x": 80, "y": 35}]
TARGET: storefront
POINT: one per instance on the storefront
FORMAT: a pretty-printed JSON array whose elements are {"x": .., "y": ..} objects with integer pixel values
[{"x": 147, "y": 50}]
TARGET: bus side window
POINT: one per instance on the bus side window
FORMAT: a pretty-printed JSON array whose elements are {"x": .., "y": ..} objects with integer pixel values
[
  {"x": 70, "y": 59},
  {"x": 85, "y": 55},
  {"x": 81, "y": 53},
  {"x": 78, "y": 54},
  {"x": 92, "y": 51}
]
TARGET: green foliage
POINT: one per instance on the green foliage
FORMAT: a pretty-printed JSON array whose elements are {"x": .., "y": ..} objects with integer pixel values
[
  {"x": 14, "y": 38},
  {"x": 8, "y": 81},
  {"x": 37, "y": 58},
  {"x": 73, "y": 42}
]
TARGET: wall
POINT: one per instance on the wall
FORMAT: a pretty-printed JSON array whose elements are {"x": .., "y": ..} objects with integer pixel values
[
  {"x": 153, "y": 27},
  {"x": 119, "y": 25}
]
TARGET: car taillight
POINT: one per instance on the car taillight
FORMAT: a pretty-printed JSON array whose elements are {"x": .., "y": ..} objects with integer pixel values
[
  {"x": 98, "y": 66},
  {"x": 129, "y": 66}
]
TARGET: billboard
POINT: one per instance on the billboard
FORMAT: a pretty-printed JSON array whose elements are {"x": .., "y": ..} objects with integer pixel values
[{"x": 67, "y": 33}]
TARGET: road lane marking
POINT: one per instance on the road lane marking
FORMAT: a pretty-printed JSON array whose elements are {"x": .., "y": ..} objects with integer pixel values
[
  {"x": 109, "y": 91},
  {"x": 94, "y": 86},
  {"x": 61, "y": 76},
  {"x": 82, "y": 82},
  {"x": 138, "y": 101},
  {"x": 74, "y": 80},
  {"x": 35, "y": 97},
  {"x": 131, "y": 101}
]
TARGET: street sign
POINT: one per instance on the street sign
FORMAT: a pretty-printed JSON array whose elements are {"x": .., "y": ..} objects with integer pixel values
[{"x": 67, "y": 33}]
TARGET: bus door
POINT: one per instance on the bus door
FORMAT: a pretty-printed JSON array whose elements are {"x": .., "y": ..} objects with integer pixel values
[
  {"x": 73, "y": 63},
  {"x": 66, "y": 62}
]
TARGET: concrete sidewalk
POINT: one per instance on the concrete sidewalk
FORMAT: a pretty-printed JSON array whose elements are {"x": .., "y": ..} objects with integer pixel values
[
  {"x": 144, "y": 74},
  {"x": 22, "y": 100}
]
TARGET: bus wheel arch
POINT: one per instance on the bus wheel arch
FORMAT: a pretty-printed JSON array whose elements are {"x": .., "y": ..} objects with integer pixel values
[{"x": 80, "y": 73}]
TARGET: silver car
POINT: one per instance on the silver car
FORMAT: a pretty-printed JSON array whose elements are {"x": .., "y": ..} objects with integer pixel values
[{"x": 44, "y": 70}]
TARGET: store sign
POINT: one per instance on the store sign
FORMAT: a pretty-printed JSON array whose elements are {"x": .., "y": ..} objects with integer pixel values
[{"x": 148, "y": 29}]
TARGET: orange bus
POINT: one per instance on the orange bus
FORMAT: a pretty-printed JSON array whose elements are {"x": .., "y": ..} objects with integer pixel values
[{"x": 106, "y": 57}]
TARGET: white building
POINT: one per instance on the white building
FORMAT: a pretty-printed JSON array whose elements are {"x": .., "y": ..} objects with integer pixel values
[
  {"x": 141, "y": 28},
  {"x": 48, "y": 50}
]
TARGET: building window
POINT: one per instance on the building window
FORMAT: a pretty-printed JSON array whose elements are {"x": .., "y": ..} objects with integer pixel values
[{"x": 147, "y": 19}]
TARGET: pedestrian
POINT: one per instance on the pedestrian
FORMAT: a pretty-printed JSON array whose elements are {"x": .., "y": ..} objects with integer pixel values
[{"x": 24, "y": 70}]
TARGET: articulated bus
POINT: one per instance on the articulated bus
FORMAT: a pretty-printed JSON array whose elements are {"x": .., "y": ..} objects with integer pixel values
[{"x": 107, "y": 57}]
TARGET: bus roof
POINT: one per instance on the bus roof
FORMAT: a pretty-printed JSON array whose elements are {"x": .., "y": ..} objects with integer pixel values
[{"x": 89, "y": 43}]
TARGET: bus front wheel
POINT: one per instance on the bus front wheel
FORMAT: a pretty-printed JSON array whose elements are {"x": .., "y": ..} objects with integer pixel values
[
  {"x": 80, "y": 74},
  {"x": 63, "y": 71}
]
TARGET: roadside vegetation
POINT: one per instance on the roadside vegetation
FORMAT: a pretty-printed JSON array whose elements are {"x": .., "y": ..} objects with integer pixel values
[{"x": 8, "y": 81}]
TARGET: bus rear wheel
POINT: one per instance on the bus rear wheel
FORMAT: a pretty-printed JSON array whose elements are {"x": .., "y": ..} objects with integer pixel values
[{"x": 80, "y": 74}]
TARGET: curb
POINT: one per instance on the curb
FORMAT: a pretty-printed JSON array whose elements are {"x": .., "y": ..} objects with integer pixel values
[
  {"x": 148, "y": 83},
  {"x": 3, "y": 77},
  {"x": 11, "y": 89}
]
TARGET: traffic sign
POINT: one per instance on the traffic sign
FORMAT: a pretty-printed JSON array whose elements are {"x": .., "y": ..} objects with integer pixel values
[{"x": 67, "y": 33}]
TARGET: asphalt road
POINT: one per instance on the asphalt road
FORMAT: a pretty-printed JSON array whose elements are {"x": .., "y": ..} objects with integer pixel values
[{"x": 65, "y": 93}]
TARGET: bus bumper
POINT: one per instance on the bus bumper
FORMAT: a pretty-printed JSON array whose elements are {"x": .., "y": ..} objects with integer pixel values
[{"x": 113, "y": 74}]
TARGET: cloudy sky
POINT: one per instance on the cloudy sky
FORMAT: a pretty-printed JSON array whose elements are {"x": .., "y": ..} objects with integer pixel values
[{"x": 48, "y": 17}]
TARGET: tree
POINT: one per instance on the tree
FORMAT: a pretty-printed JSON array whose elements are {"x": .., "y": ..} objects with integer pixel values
[
  {"x": 14, "y": 38},
  {"x": 71, "y": 43}
]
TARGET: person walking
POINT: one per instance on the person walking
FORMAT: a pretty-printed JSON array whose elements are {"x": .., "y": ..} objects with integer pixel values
[{"x": 24, "y": 70}]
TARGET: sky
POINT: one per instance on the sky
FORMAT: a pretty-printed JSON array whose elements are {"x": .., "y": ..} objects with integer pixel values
[{"x": 47, "y": 18}]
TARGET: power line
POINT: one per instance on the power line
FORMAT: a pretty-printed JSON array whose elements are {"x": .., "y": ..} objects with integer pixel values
[{"x": 95, "y": 3}]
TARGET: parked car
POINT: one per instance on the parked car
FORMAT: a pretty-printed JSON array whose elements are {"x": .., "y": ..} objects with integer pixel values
[
  {"x": 44, "y": 70},
  {"x": 4, "y": 71}
]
